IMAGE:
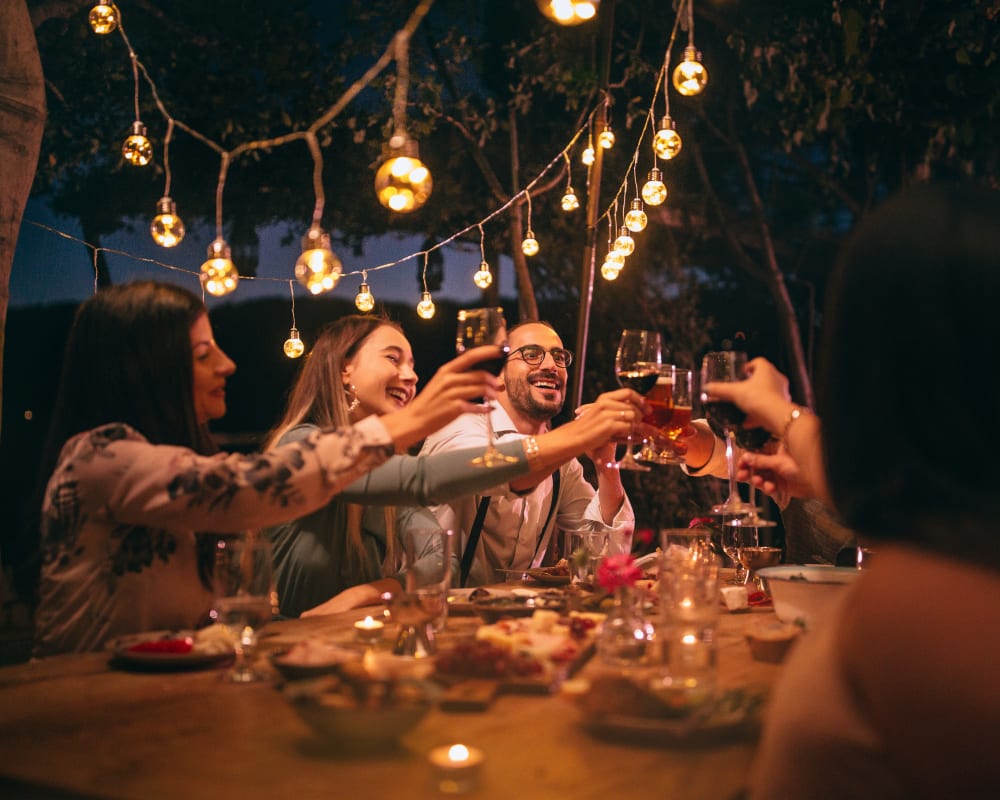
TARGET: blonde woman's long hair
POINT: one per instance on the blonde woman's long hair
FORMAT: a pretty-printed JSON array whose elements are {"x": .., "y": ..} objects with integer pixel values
[{"x": 319, "y": 397}]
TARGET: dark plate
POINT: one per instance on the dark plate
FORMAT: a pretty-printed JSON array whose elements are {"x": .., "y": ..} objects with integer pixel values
[
  {"x": 496, "y": 608},
  {"x": 547, "y": 576}
]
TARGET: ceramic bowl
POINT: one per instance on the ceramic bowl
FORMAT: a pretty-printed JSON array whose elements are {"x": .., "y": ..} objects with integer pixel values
[{"x": 804, "y": 593}]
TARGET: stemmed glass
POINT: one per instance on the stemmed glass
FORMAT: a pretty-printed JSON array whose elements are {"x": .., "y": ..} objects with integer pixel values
[
  {"x": 637, "y": 366},
  {"x": 725, "y": 418},
  {"x": 245, "y": 598},
  {"x": 737, "y": 537},
  {"x": 476, "y": 327}
]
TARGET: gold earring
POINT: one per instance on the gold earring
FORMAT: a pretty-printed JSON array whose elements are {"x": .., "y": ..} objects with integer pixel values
[{"x": 352, "y": 399}]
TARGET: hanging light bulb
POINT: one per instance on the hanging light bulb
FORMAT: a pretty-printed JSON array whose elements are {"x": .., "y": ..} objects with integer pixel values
[
  {"x": 136, "y": 149},
  {"x": 425, "y": 308},
  {"x": 483, "y": 278},
  {"x": 569, "y": 12},
  {"x": 293, "y": 344},
  {"x": 167, "y": 228},
  {"x": 103, "y": 18},
  {"x": 624, "y": 244},
  {"x": 636, "y": 219},
  {"x": 364, "y": 299},
  {"x": 690, "y": 77},
  {"x": 606, "y": 138},
  {"x": 218, "y": 274},
  {"x": 615, "y": 258},
  {"x": 654, "y": 190},
  {"x": 403, "y": 183},
  {"x": 588, "y": 156},
  {"x": 529, "y": 245},
  {"x": 569, "y": 200},
  {"x": 667, "y": 142},
  {"x": 610, "y": 271},
  {"x": 318, "y": 269}
]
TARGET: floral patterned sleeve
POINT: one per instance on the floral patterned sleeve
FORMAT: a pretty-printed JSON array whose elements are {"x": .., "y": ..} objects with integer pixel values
[{"x": 113, "y": 471}]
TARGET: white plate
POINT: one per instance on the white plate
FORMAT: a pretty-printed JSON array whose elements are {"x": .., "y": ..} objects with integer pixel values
[{"x": 123, "y": 656}]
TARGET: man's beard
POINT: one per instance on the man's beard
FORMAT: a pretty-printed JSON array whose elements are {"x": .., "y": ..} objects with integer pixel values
[{"x": 522, "y": 399}]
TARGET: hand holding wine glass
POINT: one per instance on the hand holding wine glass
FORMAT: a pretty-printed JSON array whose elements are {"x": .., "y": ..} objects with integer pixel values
[
  {"x": 637, "y": 366},
  {"x": 476, "y": 327}
]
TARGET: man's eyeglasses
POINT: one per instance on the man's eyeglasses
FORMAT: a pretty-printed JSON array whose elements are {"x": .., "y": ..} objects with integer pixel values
[{"x": 534, "y": 354}]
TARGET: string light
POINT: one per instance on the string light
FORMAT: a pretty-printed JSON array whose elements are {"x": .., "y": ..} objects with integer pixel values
[
  {"x": 364, "y": 300},
  {"x": 667, "y": 142},
  {"x": 569, "y": 12},
  {"x": 614, "y": 261},
  {"x": 569, "y": 199},
  {"x": 218, "y": 273},
  {"x": 636, "y": 219},
  {"x": 293, "y": 346},
  {"x": 425, "y": 308},
  {"x": 167, "y": 229},
  {"x": 690, "y": 77},
  {"x": 529, "y": 245},
  {"x": 624, "y": 244},
  {"x": 403, "y": 183},
  {"x": 318, "y": 269},
  {"x": 588, "y": 155},
  {"x": 610, "y": 271},
  {"x": 103, "y": 18},
  {"x": 654, "y": 190},
  {"x": 606, "y": 138},
  {"x": 483, "y": 278},
  {"x": 137, "y": 149}
]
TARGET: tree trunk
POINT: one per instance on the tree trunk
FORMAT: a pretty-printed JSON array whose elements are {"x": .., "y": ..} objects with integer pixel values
[{"x": 22, "y": 121}]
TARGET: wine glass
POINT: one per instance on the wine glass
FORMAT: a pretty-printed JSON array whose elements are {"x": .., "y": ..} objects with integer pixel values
[
  {"x": 737, "y": 538},
  {"x": 637, "y": 366},
  {"x": 476, "y": 327},
  {"x": 725, "y": 418},
  {"x": 245, "y": 598}
]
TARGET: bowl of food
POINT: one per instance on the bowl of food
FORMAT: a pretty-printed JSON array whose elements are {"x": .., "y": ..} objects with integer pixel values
[
  {"x": 360, "y": 719},
  {"x": 492, "y": 609},
  {"x": 804, "y": 593}
]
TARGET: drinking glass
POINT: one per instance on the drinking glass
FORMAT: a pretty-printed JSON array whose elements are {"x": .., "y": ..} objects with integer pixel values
[
  {"x": 476, "y": 327},
  {"x": 421, "y": 609},
  {"x": 725, "y": 418},
  {"x": 245, "y": 598},
  {"x": 637, "y": 366},
  {"x": 671, "y": 422},
  {"x": 736, "y": 538}
]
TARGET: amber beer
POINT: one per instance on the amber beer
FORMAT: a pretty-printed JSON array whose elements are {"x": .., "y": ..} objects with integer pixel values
[
  {"x": 680, "y": 419},
  {"x": 660, "y": 401}
]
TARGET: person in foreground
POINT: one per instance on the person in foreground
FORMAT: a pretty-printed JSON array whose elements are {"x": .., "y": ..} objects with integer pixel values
[
  {"x": 349, "y": 552},
  {"x": 132, "y": 478},
  {"x": 894, "y": 696},
  {"x": 518, "y": 517}
]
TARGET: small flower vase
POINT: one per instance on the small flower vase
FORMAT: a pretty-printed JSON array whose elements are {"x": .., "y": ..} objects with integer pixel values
[{"x": 624, "y": 639}]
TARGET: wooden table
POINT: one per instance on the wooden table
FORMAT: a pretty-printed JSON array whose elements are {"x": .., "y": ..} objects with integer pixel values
[{"x": 73, "y": 727}]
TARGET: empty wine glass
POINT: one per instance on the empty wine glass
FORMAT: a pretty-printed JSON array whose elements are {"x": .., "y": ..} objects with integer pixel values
[
  {"x": 476, "y": 327},
  {"x": 725, "y": 418},
  {"x": 245, "y": 598},
  {"x": 637, "y": 366}
]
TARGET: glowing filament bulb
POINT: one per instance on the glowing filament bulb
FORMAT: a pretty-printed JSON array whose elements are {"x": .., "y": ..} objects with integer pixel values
[
  {"x": 529, "y": 246},
  {"x": 690, "y": 77},
  {"x": 569, "y": 200},
  {"x": 403, "y": 183},
  {"x": 425, "y": 308},
  {"x": 636, "y": 219},
  {"x": 587, "y": 156},
  {"x": 136, "y": 149},
  {"x": 483, "y": 278},
  {"x": 667, "y": 142},
  {"x": 293, "y": 344},
  {"x": 167, "y": 229},
  {"x": 610, "y": 271},
  {"x": 624, "y": 244},
  {"x": 606, "y": 138},
  {"x": 615, "y": 258},
  {"x": 654, "y": 191},
  {"x": 318, "y": 269},
  {"x": 364, "y": 299},
  {"x": 103, "y": 18},
  {"x": 218, "y": 274},
  {"x": 569, "y": 12}
]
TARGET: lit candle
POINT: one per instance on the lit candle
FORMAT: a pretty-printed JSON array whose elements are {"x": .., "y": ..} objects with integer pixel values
[
  {"x": 368, "y": 630},
  {"x": 456, "y": 767}
]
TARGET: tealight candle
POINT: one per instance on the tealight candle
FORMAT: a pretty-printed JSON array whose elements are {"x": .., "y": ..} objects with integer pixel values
[
  {"x": 368, "y": 630},
  {"x": 456, "y": 767}
]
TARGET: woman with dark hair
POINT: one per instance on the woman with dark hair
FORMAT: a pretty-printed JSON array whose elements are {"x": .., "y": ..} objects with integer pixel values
[
  {"x": 894, "y": 696},
  {"x": 350, "y": 551},
  {"x": 131, "y": 475}
]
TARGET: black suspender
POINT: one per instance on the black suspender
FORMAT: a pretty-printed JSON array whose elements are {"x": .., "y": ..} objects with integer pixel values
[{"x": 477, "y": 527}]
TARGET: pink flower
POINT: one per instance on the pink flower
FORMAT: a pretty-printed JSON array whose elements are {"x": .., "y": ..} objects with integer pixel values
[
  {"x": 616, "y": 571},
  {"x": 701, "y": 522},
  {"x": 645, "y": 535}
]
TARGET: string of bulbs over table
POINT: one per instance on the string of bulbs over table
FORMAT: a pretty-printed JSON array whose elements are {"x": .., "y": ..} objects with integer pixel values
[{"x": 403, "y": 182}]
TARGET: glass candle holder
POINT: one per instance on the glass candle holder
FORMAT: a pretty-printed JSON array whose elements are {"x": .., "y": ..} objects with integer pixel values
[
  {"x": 368, "y": 630},
  {"x": 456, "y": 767}
]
